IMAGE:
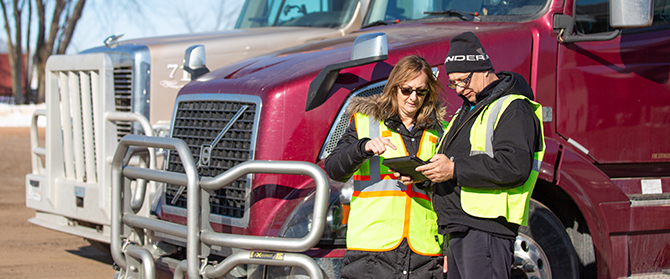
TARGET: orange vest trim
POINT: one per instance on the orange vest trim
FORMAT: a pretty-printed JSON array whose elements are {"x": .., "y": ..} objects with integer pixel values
[{"x": 361, "y": 177}]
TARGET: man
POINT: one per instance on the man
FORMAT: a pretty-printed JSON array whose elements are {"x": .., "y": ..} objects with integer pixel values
[{"x": 487, "y": 163}]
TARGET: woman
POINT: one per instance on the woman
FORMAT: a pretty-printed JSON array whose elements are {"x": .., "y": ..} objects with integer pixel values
[{"x": 392, "y": 229}]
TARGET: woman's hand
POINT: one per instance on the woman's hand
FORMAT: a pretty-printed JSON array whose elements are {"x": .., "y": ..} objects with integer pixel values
[
  {"x": 378, "y": 145},
  {"x": 439, "y": 169},
  {"x": 407, "y": 180}
]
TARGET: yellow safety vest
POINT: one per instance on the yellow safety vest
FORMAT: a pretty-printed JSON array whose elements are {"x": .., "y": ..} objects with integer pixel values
[
  {"x": 384, "y": 210},
  {"x": 491, "y": 203}
]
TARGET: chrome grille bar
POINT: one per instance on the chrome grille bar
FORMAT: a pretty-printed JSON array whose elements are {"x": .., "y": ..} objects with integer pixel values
[
  {"x": 76, "y": 103},
  {"x": 123, "y": 88}
]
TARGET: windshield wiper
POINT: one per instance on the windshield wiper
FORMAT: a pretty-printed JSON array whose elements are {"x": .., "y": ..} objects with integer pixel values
[
  {"x": 461, "y": 14},
  {"x": 376, "y": 23}
]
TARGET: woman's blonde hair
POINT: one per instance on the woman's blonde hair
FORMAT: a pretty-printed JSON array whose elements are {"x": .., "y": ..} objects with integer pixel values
[{"x": 407, "y": 69}]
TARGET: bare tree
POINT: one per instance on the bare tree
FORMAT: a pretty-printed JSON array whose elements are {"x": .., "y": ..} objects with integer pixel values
[
  {"x": 63, "y": 23},
  {"x": 64, "y": 18},
  {"x": 15, "y": 51},
  {"x": 28, "y": 73}
]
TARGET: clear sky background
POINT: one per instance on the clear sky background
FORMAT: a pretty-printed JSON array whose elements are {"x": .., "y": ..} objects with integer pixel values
[{"x": 146, "y": 18}]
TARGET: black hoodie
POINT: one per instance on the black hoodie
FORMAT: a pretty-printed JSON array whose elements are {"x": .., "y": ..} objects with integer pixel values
[{"x": 515, "y": 140}]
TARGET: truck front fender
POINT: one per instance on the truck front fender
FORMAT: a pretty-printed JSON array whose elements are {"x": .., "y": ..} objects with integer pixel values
[{"x": 589, "y": 188}]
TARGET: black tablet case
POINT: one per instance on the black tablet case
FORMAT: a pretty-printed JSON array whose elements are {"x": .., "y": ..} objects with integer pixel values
[{"x": 405, "y": 166}]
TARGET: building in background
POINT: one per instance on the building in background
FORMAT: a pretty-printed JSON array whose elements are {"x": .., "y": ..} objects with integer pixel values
[{"x": 6, "y": 78}]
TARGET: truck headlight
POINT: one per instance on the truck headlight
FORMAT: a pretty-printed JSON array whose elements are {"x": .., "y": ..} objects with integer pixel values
[{"x": 300, "y": 220}]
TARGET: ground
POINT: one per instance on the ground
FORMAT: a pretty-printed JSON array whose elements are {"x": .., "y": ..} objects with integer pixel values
[{"x": 27, "y": 250}]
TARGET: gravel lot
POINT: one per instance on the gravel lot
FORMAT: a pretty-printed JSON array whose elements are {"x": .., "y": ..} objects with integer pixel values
[{"x": 27, "y": 250}]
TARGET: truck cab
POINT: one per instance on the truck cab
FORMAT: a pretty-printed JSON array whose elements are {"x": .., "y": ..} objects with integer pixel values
[{"x": 598, "y": 209}]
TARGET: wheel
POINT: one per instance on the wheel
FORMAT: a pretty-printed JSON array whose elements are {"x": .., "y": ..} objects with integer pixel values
[
  {"x": 103, "y": 247},
  {"x": 543, "y": 249}
]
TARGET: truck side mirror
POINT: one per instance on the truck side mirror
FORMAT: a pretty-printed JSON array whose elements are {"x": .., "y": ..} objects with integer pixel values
[
  {"x": 623, "y": 14},
  {"x": 194, "y": 61},
  {"x": 369, "y": 45},
  {"x": 368, "y": 48},
  {"x": 631, "y": 13}
]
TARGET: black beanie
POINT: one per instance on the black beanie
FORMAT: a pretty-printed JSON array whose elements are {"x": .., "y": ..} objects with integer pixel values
[{"x": 466, "y": 54}]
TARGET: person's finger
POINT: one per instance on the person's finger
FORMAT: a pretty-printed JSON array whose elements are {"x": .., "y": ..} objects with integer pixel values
[
  {"x": 444, "y": 266},
  {"x": 388, "y": 143},
  {"x": 434, "y": 172},
  {"x": 375, "y": 146},
  {"x": 368, "y": 146},
  {"x": 427, "y": 167},
  {"x": 406, "y": 180},
  {"x": 423, "y": 168}
]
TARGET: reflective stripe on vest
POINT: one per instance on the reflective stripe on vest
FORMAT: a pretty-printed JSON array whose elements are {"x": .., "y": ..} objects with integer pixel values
[
  {"x": 384, "y": 210},
  {"x": 491, "y": 203}
]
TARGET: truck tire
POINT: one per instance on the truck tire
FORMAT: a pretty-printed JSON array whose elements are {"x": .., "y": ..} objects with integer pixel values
[{"x": 543, "y": 249}]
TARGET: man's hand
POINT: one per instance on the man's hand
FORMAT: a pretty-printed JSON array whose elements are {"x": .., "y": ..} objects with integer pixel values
[
  {"x": 378, "y": 145},
  {"x": 444, "y": 266},
  {"x": 439, "y": 169}
]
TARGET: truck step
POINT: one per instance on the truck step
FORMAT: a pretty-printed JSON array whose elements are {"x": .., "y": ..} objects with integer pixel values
[
  {"x": 662, "y": 199},
  {"x": 665, "y": 274}
]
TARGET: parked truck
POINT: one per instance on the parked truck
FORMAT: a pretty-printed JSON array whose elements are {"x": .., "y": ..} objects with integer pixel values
[
  {"x": 600, "y": 207},
  {"x": 128, "y": 87}
]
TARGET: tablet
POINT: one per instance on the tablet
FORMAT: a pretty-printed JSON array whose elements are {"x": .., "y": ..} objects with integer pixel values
[{"x": 406, "y": 166}]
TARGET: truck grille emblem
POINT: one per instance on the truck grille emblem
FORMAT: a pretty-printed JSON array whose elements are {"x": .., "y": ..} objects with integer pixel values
[{"x": 206, "y": 149}]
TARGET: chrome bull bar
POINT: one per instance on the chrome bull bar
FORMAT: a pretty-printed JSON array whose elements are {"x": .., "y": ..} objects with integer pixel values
[{"x": 135, "y": 260}]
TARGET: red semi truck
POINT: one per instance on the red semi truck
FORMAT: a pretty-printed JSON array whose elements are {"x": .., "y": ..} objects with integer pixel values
[
  {"x": 601, "y": 204},
  {"x": 96, "y": 97}
]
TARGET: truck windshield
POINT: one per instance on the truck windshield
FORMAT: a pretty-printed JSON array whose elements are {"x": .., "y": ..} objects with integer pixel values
[
  {"x": 399, "y": 10},
  {"x": 301, "y": 13}
]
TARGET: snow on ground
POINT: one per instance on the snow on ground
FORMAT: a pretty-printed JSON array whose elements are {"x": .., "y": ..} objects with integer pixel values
[{"x": 20, "y": 115}]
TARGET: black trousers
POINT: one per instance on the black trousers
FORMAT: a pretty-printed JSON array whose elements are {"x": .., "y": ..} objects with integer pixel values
[
  {"x": 399, "y": 263},
  {"x": 475, "y": 254}
]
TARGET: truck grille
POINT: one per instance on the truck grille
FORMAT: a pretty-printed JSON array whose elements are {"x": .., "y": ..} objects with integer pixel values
[
  {"x": 123, "y": 88},
  {"x": 77, "y": 114},
  {"x": 198, "y": 123},
  {"x": 76, "y": 106}
]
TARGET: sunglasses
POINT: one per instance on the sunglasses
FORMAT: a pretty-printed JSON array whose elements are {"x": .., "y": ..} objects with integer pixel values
[
  {"x": 408, "y": 91},
  {"x": 462, "y": 83}
]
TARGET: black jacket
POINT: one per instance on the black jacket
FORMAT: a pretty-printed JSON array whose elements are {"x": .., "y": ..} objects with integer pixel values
[{"x": 515, "y": 140}]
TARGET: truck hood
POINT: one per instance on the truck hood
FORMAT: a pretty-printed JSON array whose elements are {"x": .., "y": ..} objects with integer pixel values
[
  {"x": 233, "y": 35},
  {"x": 430, "y": 40},
  {"x": 225, "y": 47}
]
